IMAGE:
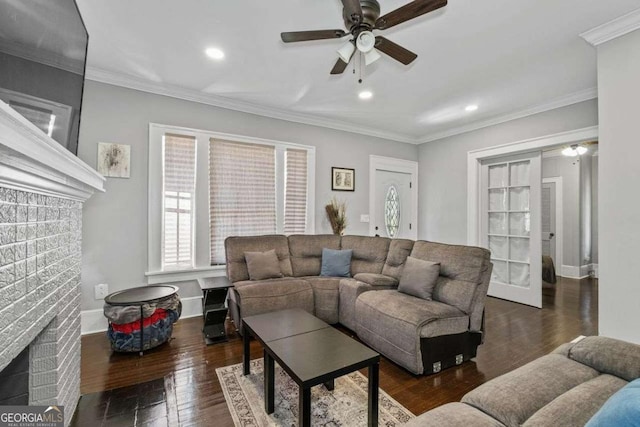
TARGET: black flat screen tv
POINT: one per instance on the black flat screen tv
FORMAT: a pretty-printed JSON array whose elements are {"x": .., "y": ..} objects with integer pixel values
[{"x": 43, "y": 54}]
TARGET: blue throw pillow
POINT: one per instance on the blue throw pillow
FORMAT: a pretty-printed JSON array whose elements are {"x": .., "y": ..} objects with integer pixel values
[
  {"x": 336, "y": 263},
  {"x": 621, "y": 410}
]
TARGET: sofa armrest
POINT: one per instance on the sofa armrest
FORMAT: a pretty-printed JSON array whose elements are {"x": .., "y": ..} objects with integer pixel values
[{"x": 377, "y": 280}]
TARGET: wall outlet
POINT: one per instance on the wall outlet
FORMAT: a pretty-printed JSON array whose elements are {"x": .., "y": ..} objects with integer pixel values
[
  {"x": 364, "y": 218},
  {"x": 101, "y": 291}
]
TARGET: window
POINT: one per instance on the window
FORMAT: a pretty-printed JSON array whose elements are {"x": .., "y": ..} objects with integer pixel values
[
  {"x": 178, "y": 197},
  {"x": 206, "y": 186}
]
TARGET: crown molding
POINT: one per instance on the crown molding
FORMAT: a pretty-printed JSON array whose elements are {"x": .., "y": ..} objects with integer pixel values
[
  {"x": 40, "y": 56},
  {"x": 563, "y": 101},
  {"x": 173, "y": 91},
  {"x": 613, "y": 29}
]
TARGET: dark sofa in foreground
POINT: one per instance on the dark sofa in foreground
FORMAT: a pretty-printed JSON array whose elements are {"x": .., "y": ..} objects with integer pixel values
[{"x": 424, "y": 336}]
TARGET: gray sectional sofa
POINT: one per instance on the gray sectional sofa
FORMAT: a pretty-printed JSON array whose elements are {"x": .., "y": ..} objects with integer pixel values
[
  {"x": 424, "y": 336},
  {"x": 564, "y": 388}
]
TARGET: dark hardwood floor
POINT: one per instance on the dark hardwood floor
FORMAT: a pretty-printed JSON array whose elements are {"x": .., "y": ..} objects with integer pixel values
[{"x": 515, "y": 335}]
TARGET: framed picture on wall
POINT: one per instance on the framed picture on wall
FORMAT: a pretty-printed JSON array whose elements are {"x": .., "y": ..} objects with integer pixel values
[{"x": 343, "y": 179}]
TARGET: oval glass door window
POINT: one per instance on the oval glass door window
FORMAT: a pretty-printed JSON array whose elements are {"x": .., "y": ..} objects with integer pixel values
[{"x": 392, "y": 211}]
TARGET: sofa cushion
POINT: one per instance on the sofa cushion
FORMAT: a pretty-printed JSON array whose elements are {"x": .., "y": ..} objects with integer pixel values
[
  {"x": 377, "y": 280},
  {"x": 454, "y": 415},
  {"x": 257, "y": 297},
  {"x": 262, "y": 265},
  {"x": 608, "y": 355},
  {"x": 621, "y": 410},
  {"x": 399, "y": 250},
  {"x": 578, "y": 405},
  {"x": 369, "y": 253},
  {"x": 514, "y": 397},
  {"x": 458, "y": 293},
  {"x": 235, "y": 248},
  {"x": 306, "y": 252},
  {"x": 336, "y": 263},
  {"x": 326, "y": 296},
  {"x": 393, "y": 323},
  {"x": 419, "y": 278},
  {"x": 457, "y": 262}
]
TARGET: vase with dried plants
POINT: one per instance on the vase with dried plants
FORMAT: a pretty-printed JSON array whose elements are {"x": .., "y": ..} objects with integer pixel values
[{"x": 337, "y": 215}]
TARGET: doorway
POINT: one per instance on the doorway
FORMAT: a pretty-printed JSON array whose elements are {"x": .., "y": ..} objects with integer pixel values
[{"x": 393, "y": 198}]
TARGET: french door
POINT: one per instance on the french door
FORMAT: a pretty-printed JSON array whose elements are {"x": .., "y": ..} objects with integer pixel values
[{"x": 511, "y": 226}]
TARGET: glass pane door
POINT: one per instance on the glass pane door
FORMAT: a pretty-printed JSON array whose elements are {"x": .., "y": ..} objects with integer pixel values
[{"x": 509, "y": 193}]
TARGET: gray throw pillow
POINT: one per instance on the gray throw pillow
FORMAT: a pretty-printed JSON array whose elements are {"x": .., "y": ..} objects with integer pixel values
[
  {"x": 263, "y": 265},
  {"x": 419, "y": 278},
  {"x": 336, "y": 263}
]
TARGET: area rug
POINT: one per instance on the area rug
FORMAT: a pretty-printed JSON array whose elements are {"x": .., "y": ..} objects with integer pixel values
[{"x": 346, "y": 405}]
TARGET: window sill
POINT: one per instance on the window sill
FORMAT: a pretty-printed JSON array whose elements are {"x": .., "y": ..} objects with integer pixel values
[{"x": 170, "y": 276}]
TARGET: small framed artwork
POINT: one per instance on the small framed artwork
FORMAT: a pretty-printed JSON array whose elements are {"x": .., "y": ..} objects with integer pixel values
[
  {"x": 114, "y": 160},
  {"x": 343, "y": 179}
]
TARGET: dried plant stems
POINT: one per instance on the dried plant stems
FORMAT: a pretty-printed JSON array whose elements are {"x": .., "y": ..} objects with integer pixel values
[{"x": 337, "y": 215}]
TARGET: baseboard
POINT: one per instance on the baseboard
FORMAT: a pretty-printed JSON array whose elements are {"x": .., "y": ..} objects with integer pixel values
[
  {"x": 574, "y": 272},
  {"x": 596, "y": 271},
  {"x": 93, "y": 321}
]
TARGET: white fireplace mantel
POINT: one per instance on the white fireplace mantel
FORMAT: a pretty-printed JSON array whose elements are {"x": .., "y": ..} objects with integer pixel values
[{"x": 32, "y": 161}]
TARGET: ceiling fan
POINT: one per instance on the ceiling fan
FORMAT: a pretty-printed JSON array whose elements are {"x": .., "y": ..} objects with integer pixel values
[{"x": 361, "y": 17}]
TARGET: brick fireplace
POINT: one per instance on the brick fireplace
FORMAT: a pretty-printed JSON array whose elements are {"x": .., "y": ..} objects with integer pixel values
[{"x": 42, "y": 188}]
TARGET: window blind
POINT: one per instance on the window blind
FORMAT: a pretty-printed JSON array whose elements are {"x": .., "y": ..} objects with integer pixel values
[
  {"x": 179, "y": 190},
  {"x": 295, "y": 194},
  {"x": 242, "y": 192}
]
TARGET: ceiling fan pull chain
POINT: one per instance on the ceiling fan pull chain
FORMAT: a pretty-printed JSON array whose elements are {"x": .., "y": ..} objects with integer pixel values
[{"x": 360, "y": 79}]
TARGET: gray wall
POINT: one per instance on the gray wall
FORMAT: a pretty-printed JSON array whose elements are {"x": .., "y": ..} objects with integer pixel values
[
  {"x": 569, "y": 169},
  {"x": 115, "y": 227},
  {"x": 619, "y": 175},
  {"x": 443, "y": 166}
]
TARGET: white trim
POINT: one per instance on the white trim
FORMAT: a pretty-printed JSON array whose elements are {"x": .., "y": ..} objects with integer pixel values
[
  {"x": 596, "y": 270},
  {"x": 613, "y": 29},
  {"x": 32, "y": 161},
  {"x": 393, "y": 165},
  {"x": 575, "y": 272},
  {"x": 563, "y": 101},
  {"x": 475, "y": 157},
  {"x": 123, "y": 80},
  {"x": 158, "y": 277},
  {"x": 93, "y": 321},
  {"x": 557, "y": 180},
  {"x": 174, "y": 91}
]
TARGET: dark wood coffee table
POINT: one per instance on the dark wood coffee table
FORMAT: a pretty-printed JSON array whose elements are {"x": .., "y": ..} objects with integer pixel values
[{"x": 312, "y": 353}]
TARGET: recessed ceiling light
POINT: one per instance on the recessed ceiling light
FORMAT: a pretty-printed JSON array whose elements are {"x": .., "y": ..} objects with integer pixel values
[
  {"x": 214, "y": 53},
  {"x": 471, "y": 108},
  {"x": 365, "y": 94}
]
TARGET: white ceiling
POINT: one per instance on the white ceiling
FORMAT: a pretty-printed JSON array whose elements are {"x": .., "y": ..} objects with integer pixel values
[{"x": 508, "y": 57}]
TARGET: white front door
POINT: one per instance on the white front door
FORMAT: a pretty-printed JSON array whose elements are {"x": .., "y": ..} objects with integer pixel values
[
  {"x": 393, "y": 204},
  {"x": 511, "y": 226}
]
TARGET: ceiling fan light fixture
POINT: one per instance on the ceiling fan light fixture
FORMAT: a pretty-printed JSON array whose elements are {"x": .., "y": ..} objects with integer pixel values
[
  {"x": 371, "y": 57},
  {"x": 346, "y": 51},
  {"x": 365, "y": 94},
  {"x": 471, "y": 108},
  {"x": 214, "y": 53},
  {"x": 365, "y": 41},
  {"x": 574, "y": 150}
]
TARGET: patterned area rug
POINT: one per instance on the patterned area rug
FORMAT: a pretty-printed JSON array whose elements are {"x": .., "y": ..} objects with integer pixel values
[{"x": 346, "y": 405}]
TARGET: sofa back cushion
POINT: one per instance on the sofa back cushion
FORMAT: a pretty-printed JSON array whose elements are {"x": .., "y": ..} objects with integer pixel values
[
  {"x": 399, "y": 250},
  {"x": 306, "y": 252},
  {"x": 369, "y": 253},
  {"x": 235, "y": 247},
  {"x": 609, "y": 356},
  {"x": 461, "y": 270}
]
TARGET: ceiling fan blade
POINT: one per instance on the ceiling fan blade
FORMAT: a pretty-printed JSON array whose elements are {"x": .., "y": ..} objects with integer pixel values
[
  {"x": 303, "y": 36},
  {"x": 395, "y": 51},
  {"x": 408, "y": 11},
  {"x": 353, "y": 10},
  {"x": 339, "y": 67}
]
